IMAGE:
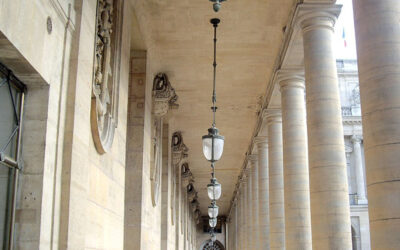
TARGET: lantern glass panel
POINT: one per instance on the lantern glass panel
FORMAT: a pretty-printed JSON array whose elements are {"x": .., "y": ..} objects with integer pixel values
[
  {"x": 218, "y": 147},
  {"x": 212, "y": 222},
  {"x": 214, "y": 191},
  {"x": 213, "y": 211}
]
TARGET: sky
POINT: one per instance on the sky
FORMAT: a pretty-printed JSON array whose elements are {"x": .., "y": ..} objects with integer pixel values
[{"x": 345, "y": 45}]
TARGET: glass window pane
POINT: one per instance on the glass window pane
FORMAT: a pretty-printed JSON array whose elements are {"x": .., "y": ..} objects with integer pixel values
[
  {"x": 6, "y": 193},
  {"x": 8, "y": 121}
]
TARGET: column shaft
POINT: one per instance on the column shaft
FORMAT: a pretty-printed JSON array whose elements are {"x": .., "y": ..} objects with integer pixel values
[
  {"x": 378, "y": 47},
  {"x": 276, "y": 198},
  {"x": 241, "y": 216},
  {"x": 330, "y": 213},
  {"x": 238, "y": 221},
  {"x": 359, "y": 169},
  {"x": 235, "y": 240},
  {"x": 254, "y": 202},
  {"x": 249, "y": 215},
  {"x": 244, "y": 216},
  {"x": 295, "y": 162},
  {"x": 263, "y": 191}
]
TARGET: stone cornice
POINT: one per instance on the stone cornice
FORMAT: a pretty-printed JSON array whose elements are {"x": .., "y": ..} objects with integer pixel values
[{"x": 352, "y": 120}]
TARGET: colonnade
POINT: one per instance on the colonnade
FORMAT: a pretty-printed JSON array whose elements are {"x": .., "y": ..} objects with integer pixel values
[{"x": 297, "y": 175}]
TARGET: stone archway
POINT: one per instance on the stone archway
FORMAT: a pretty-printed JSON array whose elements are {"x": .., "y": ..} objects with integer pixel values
[{"x": 207, "y": 246}]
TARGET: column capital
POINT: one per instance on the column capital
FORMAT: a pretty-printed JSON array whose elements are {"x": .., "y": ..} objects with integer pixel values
[
  {"x": 242, "y": 179},
  {"x": 290, "y": 78},
  {"x": 274, "y": 116},
  {"x": 253, "y": 158},
  {"x": 261, "y": 141},
  {"x": 313, "y": 16}
]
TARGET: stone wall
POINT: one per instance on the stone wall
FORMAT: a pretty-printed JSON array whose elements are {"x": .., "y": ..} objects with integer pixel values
[{"x": 69, "y": 195}]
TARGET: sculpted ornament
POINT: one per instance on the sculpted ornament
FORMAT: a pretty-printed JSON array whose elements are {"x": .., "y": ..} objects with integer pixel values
[
  {"x": 179, "y": 149},
  {"x": 105, "y": 86},
  {"x": 179, "y": 152},
  {"x": 163, "y": 97},
  {"x": 156, "y": 160},
  {"x": 186, "y": 174},
  {"x": 191, "y": 192}
]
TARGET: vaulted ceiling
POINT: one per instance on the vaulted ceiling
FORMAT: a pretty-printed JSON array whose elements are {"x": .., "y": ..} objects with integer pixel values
[{"x": 178, "y": 35}]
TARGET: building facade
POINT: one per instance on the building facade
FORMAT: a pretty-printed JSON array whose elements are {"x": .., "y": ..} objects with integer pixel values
[{"x": 354, "y": 149}]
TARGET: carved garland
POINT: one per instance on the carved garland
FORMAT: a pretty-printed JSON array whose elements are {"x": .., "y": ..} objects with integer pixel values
[
  {"x": 163, "y": 97},
  {"x": 105, "y": 85}
]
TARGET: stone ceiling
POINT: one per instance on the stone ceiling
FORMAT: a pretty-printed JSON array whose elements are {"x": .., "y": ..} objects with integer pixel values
[{"x": 179, "y": 36}]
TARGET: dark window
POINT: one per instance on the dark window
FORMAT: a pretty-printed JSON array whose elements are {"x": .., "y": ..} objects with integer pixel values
[{"x": 11, "y": 102}]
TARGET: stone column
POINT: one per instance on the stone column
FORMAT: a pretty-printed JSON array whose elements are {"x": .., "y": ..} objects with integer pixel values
[
  {"x": 276, "y": 196},
  {"x": 243, "y": 226},
  {"x": 239, "y": 218},
  {"x": 330, "y": 212},
  {"x": 253, "y": 159},
  {"x": 249, "y": 210},
  {"x": 378, "y": 48},
  {"x": 362, "y": 199},
  {"x": 263, "y": 191},
  {"x": 295, "y": 162},
  {"x": 235, "y": 233}
]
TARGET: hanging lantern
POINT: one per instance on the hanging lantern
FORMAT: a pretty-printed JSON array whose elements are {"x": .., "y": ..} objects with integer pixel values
[
  {"x": 212, "y": 222},
  {"x": 214, "y": 190},
  {"x": 213, "y": 145},
  {"x": 213, "y": 210}
]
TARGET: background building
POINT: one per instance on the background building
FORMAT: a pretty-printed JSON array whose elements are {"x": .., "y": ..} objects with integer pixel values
[{"x": 352, "y": 127}]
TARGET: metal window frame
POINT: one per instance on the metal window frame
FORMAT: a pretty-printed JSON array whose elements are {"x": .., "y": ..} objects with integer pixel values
[{"x": 11, "y": 163}]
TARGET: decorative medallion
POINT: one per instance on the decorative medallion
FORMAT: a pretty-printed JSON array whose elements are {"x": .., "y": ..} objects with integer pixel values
[
  {"x": 163, "y": 98},
  {"x": 191, "y": 192},
  {"x": 105, "y": 86},
  {"x": 164, "y": 95},
  {"x": 179, "y": 149},
  {"x": 186, "y": 173}
]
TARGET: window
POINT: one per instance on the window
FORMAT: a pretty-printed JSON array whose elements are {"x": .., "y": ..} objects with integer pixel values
[{"x": 11, "y": 102}]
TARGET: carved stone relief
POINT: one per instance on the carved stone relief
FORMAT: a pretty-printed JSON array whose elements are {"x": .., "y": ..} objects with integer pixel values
[
  {"x": 187, "y": 176},
  {"x": 179, "y": 153},
  {"x": 163, "y": 97},
  {"x": 105, "y": 86},
  {"x": 191, "y": 192},
  {"x": 195, "y": 205},
  {"x": 156, "y": 159}
]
